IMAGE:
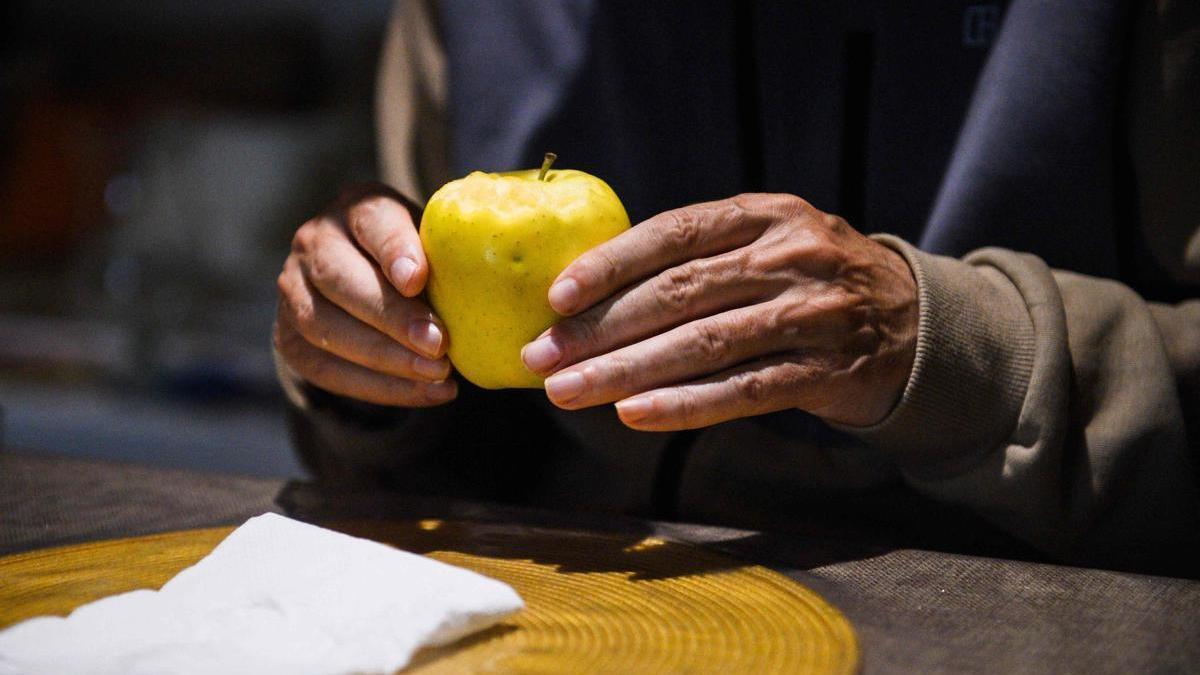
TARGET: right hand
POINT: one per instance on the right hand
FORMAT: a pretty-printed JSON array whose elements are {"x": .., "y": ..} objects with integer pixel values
[{"x": 349, "y": 320}]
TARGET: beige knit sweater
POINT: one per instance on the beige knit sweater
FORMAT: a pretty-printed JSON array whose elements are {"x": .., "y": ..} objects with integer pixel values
[{"x": 1062, "y": 408}]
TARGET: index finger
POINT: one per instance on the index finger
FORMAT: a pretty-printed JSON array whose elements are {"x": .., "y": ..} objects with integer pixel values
[
  {"x": 384, "y": 226},
  {"x": 671, "y": 237}
]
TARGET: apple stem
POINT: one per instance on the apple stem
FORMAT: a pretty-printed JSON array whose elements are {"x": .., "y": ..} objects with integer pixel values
[{"x": 549, "y": 159}]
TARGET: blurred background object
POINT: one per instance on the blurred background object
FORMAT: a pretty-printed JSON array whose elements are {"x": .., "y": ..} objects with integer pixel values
[{"x": 154, "y": 160}]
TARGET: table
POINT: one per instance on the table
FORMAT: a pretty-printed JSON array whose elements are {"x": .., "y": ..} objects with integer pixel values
[{"x": 914, "y": 610}]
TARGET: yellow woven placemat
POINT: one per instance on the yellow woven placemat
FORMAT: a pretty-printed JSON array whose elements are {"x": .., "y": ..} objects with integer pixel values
[{"x": 595, "y": 602}]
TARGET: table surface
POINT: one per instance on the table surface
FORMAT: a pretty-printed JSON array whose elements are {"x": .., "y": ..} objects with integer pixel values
[{"x": 914, "y": 610}]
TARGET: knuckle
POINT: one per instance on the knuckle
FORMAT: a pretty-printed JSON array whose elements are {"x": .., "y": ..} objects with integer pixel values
[
  {"x": 791, "y": 204},
  {"x": 829, "y": 258},
  {"x": 743, "y": 210},
  {"x": 365, "y": 216},
  {"x": 786, "y": 319},
  {"x": 814, "y": 251},
  {"x": 618, "y": 370},
  {"x": 745, "y": 263},
  {"x": 834, "y": 225},
  {"x": 408, "y": 364},
  {"x": 676, "y": 288},
  {"x": 682, "y": 230},
  {"x": 735, "y": 209},
  {"x": 711, "y": 343},
  {"x": 283, "y": 284},
  {"x": 785, "y": 205},
  {"x": 323, "y": 268},
  {"x": 305, "y": 319},
  {"x": 611, "y": 372},
  {"x": 687, "y": 408},
  {"x": 751, "y": 386},
  {"x": 390, "y": 247},
  {"x": 302, "y": 241},
  {"x": 776, "y": 205},
  {"x": 581, "y": 330},
  {"x": 603, "y": 267},
  {"x": 743, "y": 203},
  {"x": 298, "y": 309}
]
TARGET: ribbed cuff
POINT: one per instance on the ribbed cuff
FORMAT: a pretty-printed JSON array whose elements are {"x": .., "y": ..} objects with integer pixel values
[{"x": 975, "y": 349}]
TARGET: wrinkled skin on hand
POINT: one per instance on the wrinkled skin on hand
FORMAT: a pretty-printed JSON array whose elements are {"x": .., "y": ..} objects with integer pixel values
[
  {"x": 349, "y": 320},
  {"x": 730, "y": 309}
]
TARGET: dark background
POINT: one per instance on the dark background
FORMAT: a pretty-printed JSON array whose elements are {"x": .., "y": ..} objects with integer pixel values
[{"x": 154, "y": 159}]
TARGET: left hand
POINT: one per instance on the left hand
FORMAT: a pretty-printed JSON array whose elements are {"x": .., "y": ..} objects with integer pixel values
[{"x": 730, "y": 309}]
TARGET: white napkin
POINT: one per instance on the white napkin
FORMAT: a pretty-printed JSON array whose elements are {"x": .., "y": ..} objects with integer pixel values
[{"x": 277, "y": 596}]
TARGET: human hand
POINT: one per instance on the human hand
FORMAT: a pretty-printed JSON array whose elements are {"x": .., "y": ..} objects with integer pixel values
[
  {"x": 348, "y": 320},
  {"x": 730, "y": 309}
]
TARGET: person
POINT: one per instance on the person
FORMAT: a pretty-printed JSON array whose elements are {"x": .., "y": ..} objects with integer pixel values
[{"x": 743, "y": 356}]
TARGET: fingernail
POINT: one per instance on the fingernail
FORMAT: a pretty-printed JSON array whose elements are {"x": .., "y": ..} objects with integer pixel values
[
  {"x": 426, "y": 337},
  {"x": 541, "y": 355},
  {"x": 402, "y": 271},
  {"x": 635, "y": 409},
  {"x": 564, "y": 295},
  {"x": 564, "y": 387},
  {"x": 434, "y": 370},
  {"x": 443, "y": 389}
]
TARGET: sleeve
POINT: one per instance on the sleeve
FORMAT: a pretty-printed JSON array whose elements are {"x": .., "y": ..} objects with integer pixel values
[
  {"x": 1065, "y": 408},
  {"x": 410, "y": 101},
  {"x": 1059, "y": 406}
]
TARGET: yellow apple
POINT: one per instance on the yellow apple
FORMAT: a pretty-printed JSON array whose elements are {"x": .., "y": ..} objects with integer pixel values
[{"x": 495, "y": 242}]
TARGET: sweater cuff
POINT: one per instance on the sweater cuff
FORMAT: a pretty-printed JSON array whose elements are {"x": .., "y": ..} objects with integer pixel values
[{"x": 975, "y": 349}]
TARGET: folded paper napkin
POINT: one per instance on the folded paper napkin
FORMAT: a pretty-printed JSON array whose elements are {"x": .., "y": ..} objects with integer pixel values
[{"x": 276, "y": 596}]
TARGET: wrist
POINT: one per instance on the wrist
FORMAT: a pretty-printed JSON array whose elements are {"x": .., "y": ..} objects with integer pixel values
[
  {"x": 884, "y": 374},
  {"x": 974, "y": 354},
  {"x": 898, "y": 359}
]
